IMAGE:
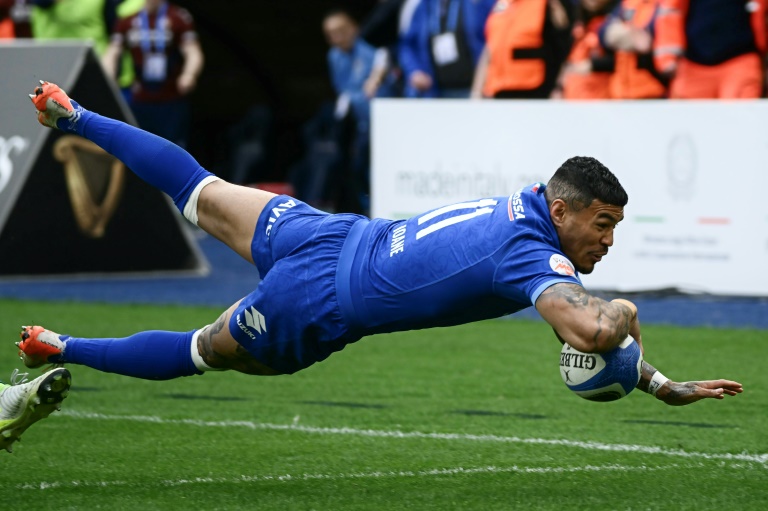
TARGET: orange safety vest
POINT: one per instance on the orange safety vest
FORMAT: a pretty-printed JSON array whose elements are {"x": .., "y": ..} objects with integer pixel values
[
  {"x": 670, "y": 40},
  {"x": 513, "y": 27},
  {"x": 586, "y": 45},
  {"x": 628, "y": 81},
  {"x": 6, "y": 29}
]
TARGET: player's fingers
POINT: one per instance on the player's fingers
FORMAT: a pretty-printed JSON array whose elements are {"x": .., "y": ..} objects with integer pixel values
[
  {"x": 713, "y": 393},
  {"x": 725, "y": 384},
  {"x": 728, "y": 383}
]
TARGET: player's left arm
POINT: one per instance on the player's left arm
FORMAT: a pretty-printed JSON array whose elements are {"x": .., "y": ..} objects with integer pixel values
[{"x": 684, "y": 393}]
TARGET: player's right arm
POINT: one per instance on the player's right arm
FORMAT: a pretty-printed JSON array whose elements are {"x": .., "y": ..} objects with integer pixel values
[{"x": 588, "y": 323}]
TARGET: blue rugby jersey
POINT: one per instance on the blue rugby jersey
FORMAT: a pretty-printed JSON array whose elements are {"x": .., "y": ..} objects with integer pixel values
[{"x": 456, "y": 264}]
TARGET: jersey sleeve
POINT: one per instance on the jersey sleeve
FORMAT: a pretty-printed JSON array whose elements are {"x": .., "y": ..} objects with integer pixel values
[{"x": 530, "y": 269}]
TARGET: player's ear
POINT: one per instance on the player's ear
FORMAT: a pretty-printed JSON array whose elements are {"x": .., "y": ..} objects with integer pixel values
[{"x": 558, "y": 209}]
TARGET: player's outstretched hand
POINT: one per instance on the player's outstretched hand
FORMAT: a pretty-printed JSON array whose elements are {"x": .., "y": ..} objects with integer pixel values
[{"x": 685, "y": 393}]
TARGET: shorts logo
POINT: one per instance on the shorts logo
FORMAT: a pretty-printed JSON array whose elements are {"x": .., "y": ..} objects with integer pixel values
[
  {"x": 254, "y": 321},
  {"x": 277, "y": 211},
  {"x": 561, "y": 265}
]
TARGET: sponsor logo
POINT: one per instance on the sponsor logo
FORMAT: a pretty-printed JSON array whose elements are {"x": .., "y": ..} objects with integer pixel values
[
  {"x": 6, "y": 165},
  {"x": 276, "y": 212},
  {"x": 561, "y": 265},
  {"x": 578, "y": 361},
  {"x": 76, "y": 114},
  {"x": 254, "y": 320},
  {"x": 515, "y": 208}
]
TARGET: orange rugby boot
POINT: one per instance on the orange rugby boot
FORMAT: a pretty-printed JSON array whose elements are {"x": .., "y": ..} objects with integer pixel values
[
  {"x": 53, "y": 104},
  {"x": 38, "y": 346}
]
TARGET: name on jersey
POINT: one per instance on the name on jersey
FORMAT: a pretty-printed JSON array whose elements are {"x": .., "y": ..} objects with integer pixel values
[
  {"x": 398, "y": 241},
  {"x": 515, "y": 207},
  {"x": 277, "y": 211}
]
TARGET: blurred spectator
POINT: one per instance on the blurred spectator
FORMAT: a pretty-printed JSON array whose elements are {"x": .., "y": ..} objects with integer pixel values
[
  {"x": 440, "y": 48},
  {"x": 527, "y": 42},
  {"x": 381, "y": 29},
  {"x": 628, "y": 31},
  {"x": 358, "y": 73},
  {"x": 92, "y": 20},
  {"x": 15, "y": 19},
  {"x": 74, "y": 19},
  {"x": 167, "y": 60},
  {"x": 712, "y": 49},
  {"x": 587, "y": 72}
]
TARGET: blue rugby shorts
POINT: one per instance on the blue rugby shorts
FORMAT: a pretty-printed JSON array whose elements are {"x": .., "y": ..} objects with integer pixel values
[{"x": 292, "y": 319}]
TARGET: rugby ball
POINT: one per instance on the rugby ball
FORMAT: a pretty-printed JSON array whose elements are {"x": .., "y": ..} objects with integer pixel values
[{"x": 602, "y": 376}]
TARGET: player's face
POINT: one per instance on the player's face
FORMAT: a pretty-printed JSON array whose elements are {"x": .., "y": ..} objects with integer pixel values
[
  {"x": 586, "y": 234},
  {"x": 340, "y": 31}
]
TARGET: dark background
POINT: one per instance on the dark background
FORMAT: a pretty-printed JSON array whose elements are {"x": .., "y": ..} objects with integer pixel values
[{"x": 260, "y": 52}]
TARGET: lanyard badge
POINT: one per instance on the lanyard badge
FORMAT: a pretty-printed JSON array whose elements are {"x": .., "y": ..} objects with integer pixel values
[
  {"x": 155, "y": 65},
  {"x": 445, "y": 49}
]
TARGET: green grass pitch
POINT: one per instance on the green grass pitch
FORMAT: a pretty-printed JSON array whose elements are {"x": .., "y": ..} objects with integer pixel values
[{"x": 472, "y": 417}]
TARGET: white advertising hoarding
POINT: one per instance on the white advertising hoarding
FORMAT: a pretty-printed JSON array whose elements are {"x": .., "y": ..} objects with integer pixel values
[{"x": 696, "y": 174}]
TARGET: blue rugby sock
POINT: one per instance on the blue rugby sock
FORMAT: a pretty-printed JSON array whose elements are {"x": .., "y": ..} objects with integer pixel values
[
  {"x": 155, "y": 160},
  {"x": 151, "y": 355}
]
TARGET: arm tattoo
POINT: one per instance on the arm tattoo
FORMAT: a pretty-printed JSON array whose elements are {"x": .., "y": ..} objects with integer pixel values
[
  {"x": 674, "y": 393},
  {"x": 619, "y": 319},
  {"x": 679, "y": 391},
  {"x": 575, "y": 295},
  {"x": 612, "y": 319},
  {"x": 646, "y": 374}
]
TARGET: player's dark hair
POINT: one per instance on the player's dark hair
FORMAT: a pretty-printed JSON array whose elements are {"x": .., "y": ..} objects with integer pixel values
[{"x": 582, "y": 179}]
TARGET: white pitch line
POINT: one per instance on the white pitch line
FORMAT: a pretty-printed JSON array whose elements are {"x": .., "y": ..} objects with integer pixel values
[
  {"x": 589, "y": 445},
  {"x": 457, "y": 471}
]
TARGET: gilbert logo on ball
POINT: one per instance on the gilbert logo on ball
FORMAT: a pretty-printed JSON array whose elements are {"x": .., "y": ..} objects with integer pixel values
[{"x": 602, "y": 376}]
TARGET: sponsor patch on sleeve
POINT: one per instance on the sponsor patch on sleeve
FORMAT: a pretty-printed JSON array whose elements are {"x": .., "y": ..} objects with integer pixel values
[
  {"x": 515, "y": 207},
  {"x": 561, "y": 265}
]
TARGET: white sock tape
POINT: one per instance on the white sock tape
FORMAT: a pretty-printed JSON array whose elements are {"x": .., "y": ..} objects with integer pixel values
[
  {"x": 657, "y": 381},
  {"x": 190, "y": 208},
  {"x": 197, "y": 359}
]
